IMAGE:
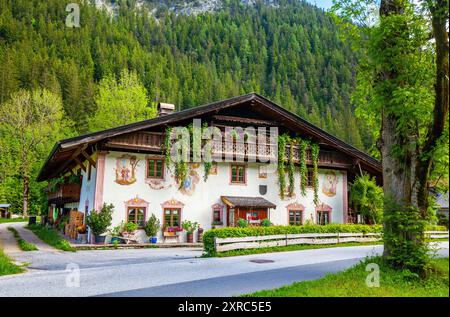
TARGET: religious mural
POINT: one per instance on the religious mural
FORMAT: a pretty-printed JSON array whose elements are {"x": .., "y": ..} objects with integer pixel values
[
  {"x": 329, "y": 184},
  {"x": 126, "y": 169},
  {"x": 191, "y": 181}
]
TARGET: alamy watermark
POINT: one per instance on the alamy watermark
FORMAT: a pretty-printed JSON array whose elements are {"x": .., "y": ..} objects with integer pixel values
[
  {"x": 73, "y": 276},
  {"x": 73, "y": 18},
  {"x": 373, "y": 278}
]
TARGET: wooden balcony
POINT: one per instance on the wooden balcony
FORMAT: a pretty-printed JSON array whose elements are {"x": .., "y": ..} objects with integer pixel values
[
  {"x": 270, "y": 152},
  {"x": 66, "y": 193},
  {"x": 137, "y": 141}
]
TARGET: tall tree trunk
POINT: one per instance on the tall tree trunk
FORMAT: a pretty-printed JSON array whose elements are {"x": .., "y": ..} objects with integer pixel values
[
  {"x": 439, "y": 20},
  {"x": 26, "y": 195}
]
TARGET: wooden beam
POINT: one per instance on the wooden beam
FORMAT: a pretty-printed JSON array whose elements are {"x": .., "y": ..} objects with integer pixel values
[
  {"x": 80, "y": 163},
  {"x": 89, "y": 158}
]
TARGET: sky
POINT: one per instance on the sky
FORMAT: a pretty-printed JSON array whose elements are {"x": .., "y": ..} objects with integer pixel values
[{"x": 324, "y": 4}]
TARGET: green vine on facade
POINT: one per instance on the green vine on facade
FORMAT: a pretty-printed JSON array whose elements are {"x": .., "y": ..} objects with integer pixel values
[
  {"x": 302, "y": 145},
  {"x": 291, "y": 170},
  {"x": 167, "y": 146},
  {"x": 206, "y": 165},
  {"x": 281, "y": 166},
  {"x": 315, "y": 161}
]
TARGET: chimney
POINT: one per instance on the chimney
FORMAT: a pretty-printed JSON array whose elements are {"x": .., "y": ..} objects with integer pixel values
[{"x": 165, "y": 108}]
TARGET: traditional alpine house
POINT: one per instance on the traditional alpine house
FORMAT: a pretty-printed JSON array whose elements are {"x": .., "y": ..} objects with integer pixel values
[{"x": 127, "y": 167}]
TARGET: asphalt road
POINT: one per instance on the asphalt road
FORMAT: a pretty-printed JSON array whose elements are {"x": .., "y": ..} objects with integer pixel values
[{"x": 173, "y": 272}]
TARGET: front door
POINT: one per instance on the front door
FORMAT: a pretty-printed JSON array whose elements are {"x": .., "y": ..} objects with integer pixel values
[{"x": 254, "y": 216}]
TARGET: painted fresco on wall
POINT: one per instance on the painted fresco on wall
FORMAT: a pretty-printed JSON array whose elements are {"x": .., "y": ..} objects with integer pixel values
[
  {"x": 158, "y": 184},
  {"x": 330, "y": 183},
  {"x": 213, "y": 170},
  {"x": 191, "y": 181},
  {"x": 126, "y": 169},
  {"x": 262, "y": 171}
]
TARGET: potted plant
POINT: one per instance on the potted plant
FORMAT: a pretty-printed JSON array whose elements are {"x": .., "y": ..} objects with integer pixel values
[
  {"x": 129, "y": 229},
  {"x": 151, "y": 228},
  {"x": 266, "y": 223},
  {"x": 81, "y": 234},
  {"x": 99, "y": 222},
  {"x": 115, "y": 233},
  {"x": 190, "y": 227}
]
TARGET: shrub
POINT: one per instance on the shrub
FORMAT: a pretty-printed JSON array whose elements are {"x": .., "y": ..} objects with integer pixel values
[
  {"x": 100, "y": 221},
  {"x": 266, "y": 223},
  {"x": 242, "y": 223},
  {"x": 152, "y": 226},
  {"x": 130, "y": 227},
  {"x": 229, "y": 232}
]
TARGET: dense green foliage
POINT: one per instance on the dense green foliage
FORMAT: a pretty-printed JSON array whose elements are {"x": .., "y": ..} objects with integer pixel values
[
  {"x": 352, "y": 283},
  {"x": 228, "y": 232},
  {"x": 367, "y": 198},
  {"x": 51, "y": 237}
]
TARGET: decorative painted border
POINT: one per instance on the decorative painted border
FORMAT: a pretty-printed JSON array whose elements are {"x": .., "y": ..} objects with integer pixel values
[
  {"x": 345, "y": 196},
  {"x": 295, "y": 206},
  {"x": 324, "y": 207},
  {"x": 99, "y": 180}
]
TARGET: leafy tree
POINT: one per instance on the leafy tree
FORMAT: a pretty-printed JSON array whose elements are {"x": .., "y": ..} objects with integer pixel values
[
  {"x": 31, "y": 122},
  {"x": 403, "y": 93},
  {"x": 120, "y": 102},
  {"x": 367, "y": 198}
]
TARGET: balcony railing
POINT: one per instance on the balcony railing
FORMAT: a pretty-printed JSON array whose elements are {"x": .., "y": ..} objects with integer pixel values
[
  {"x": 66, "y": 193},
  {"x": 270, "y": 152}
]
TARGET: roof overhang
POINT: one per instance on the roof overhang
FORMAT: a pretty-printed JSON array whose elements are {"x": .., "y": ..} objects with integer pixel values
[{"x": 251, "y": 202}]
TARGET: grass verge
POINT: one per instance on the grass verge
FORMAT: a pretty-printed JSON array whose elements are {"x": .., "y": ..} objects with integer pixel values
[
  {"x": 7, "y": 267},
  {"x": 352, "y": 283},
  {"x": 23, "y": 245},
  {"x": 51, "y": 237},
  {"x": 8, "y": 220}
]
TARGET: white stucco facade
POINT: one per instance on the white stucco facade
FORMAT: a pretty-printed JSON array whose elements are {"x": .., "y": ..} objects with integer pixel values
[{"x": 199, "y": 196}]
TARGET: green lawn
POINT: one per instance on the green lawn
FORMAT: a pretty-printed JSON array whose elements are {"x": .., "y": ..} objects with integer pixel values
[
  {"x": 20, "y": 219},
  {"x": 6, "y": 265},
  {"x": 51, "y": 237},
  {"x": 23, "y": 245},
  {"x": 351, "y": 283},
  {"x": 7, "y": 220}
]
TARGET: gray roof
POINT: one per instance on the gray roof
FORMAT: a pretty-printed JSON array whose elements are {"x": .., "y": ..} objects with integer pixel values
[
  {"x": 442, "y": 200},
  {"x": 237, "y": 201}
]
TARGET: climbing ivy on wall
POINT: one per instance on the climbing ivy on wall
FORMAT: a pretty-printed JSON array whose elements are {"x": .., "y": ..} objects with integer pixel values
[
  {"x": 291, "y": 170},
  {"x": 206, "y": 165},
  {"x": 167, "y": 146},
  {"x": 315, "y": 161},
  {"x": 302, "y": 145}
]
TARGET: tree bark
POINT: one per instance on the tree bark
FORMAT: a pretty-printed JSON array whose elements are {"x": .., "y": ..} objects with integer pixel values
[
  {"x": 26, "y": 194},
  {"x": 439, "y": 19}
]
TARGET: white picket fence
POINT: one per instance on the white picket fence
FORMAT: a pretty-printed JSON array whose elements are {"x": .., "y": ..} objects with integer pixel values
[{"x": 255, "y": 242}]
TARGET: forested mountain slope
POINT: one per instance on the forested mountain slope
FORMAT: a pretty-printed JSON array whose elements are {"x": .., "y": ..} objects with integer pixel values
[{"x": 288, "y": 51}]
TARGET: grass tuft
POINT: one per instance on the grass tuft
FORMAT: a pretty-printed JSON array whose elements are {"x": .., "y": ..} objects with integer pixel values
[
  {"x": 51, "y": 237},
  {"x": 6, "y": 265},
  {"x": 23, "y": 245},
  {"x": 352, "y": 283}
]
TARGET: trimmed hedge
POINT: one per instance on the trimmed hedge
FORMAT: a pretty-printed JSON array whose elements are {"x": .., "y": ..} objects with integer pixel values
[{"x": 231, "y": 232}]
